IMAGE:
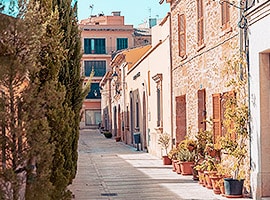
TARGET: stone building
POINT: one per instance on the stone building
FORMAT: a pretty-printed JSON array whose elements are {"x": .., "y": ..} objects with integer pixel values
[
  {"x": 102, "y": 37},
  {"x": 204, "y": 34}
]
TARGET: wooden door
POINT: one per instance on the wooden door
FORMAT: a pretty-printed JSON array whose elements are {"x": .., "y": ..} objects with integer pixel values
[
  {"x": 181, "y": 127},
  {"x": 201, "y": 110}
]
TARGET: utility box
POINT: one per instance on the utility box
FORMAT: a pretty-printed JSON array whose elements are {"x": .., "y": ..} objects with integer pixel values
[{"x": 137, "y": 139}]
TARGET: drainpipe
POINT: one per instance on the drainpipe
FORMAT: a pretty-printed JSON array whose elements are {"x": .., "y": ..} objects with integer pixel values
[
  {"x": 243, "y": 25},
  {"x": 171, "y": 78}
]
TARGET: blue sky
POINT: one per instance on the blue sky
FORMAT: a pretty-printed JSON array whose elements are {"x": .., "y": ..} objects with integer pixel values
[{"x": 135, "y": 11}]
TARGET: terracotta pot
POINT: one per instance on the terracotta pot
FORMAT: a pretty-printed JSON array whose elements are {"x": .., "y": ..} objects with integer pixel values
[
  {"x": 208, "y": 180},
  {"x": 191, "y": 148},
  {"x": 174, "y": 165},
  {"x": 117, "y": 139},
  {"x": 217, "y": 181},
  {"x": 194, "y": 173},
  {"x": 201, "y": 177},
  {"x": 222, "y": 188},
  {"x": 186, "y": 168},
  {"x": 166, "y": 160},
  {"x": 178, "y": 168}
]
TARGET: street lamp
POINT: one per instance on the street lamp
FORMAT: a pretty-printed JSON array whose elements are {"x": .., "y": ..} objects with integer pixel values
[
  {"x": 117, "y": 82},
  {"x": 115, "y": 76}
]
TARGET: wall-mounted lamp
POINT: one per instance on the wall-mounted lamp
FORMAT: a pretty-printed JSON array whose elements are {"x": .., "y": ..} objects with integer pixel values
[
  {"x": 115, "y": 76},
  {"x": 117, "y": 83}
]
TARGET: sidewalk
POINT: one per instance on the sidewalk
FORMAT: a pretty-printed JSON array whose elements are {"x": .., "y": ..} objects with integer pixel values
[{"x": 113, "y": 170}]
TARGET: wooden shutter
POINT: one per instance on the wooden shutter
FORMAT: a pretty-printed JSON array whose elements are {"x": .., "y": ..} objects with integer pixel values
[
  {"x": 216, "y": 116},
  {"x": 200, "y": 22},
  {"x": 227, "y": 96},
  {"x": 225, "y": 15},
  {"x": 182, "y": 35},
  {"x": 181, "y": 128},
  {"x": 201, "y": 110}
]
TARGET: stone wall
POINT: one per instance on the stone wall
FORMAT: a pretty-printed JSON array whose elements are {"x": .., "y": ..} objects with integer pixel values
[{"x": 202, "y": 66}]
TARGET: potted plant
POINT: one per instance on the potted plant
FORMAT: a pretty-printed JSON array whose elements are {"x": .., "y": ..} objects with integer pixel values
[
  {"x": 164, "y": 141},
  {"x": 186, "y": 159},
  {"x": 107, "y": 134},
  {"x": 235, "y": 139},
  {"x": 172, "y": 156}
]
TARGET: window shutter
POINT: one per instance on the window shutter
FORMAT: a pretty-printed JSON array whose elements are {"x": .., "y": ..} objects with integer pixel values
[
  {"x": 225, "y": 15},
  {"x": 227, "y": 96},
  {"x": 200, "y": 22},
  {"x": 182, "y": 35},
  {"x": 216, "y": 116},
  {"x": 201, "y": 110}
]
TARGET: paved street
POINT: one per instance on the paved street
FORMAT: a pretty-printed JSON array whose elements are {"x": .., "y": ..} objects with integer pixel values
[{"x": 113, "y": 170}]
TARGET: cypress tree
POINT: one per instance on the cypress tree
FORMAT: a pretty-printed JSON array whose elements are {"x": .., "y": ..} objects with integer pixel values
[
  {"x": 45, "y": 114},
  {"x": 66, "y": 155},
  {"x": 25, "y": 132},
  {"x": 46, "y": 87}
]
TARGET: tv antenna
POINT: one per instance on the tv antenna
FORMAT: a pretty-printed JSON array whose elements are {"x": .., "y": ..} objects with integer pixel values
[{"x": 91, "y": 7}]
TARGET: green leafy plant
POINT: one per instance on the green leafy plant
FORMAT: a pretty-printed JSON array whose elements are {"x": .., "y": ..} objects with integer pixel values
[
  {"x": 236, "y": 136},
  {"x": 184, "y": 155},
  {"x": 107, "y": 134},
  {"x": 203, "y": 137},
  {"x": 172, "y": 153}
]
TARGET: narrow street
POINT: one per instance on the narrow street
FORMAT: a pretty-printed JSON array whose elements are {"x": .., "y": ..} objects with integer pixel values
[{"x": 113, "y": 170}]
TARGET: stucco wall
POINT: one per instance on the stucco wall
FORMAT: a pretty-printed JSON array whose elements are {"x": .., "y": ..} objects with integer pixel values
[{"x": 259, "y": 45}]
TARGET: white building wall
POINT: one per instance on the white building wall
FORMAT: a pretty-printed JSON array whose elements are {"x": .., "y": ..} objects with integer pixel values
[
  {"x": 259, "y": 44},
  {"x": 155, "y": 61}
]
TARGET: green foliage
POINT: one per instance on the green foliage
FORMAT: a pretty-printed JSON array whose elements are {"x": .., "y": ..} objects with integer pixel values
[
  {"x": 184, "y": 155},
  {"x": 24, "y": 128},
  {"x": 40, "y": 49},
  {"x": 67, "y": 135},
  {"x": 236, "y": 139},
  {"x": 107, "y": 134},
  {"x": 172, "y": 153}
]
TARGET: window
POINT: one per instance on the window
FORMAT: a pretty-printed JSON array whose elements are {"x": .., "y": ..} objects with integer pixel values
[
  {"x": 158, "y": 107},
  {"x": 182, "y": 35},
  {"x": 137, "y": 115},
  {"x": 225, "y": 15},
  {"x": 200, "y": 22},
  {"x": 122, "y": 43},
  {"x": 94, "y": 46},
  {"x": 99, "y": 67},
  {"x": 92, "y": 117},
  {"x": 158, "y": 79},
  {"x": 94, "y": 92}
]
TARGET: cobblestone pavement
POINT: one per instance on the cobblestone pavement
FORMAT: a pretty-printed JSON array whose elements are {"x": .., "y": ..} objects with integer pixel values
[{"x": 115, "y": 171}]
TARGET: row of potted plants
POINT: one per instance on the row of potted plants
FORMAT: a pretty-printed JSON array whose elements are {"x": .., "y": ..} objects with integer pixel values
[
  {"x": 218, "y": 166},
  {"x": 221, "y": 151}
]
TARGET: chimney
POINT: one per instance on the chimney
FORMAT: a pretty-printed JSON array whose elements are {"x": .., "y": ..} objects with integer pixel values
[{"x": 116, "y": 13}]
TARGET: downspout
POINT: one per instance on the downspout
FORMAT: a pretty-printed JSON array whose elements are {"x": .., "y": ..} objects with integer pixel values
[
  {"x": 243, "y": 25},
  {"x": 171, "y": 78}
]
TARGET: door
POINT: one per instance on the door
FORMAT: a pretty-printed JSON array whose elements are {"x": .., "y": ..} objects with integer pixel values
[
  {"x": 201, "y": 110},
  {"x": 181, "y": 127}
]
